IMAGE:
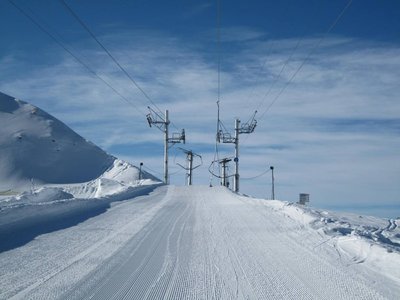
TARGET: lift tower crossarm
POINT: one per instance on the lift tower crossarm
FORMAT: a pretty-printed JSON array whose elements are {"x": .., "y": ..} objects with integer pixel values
[
  {"x": 162, "y": 123},
  {"x": 249, "y": 126},
  {"x": 153, "y": 118}
]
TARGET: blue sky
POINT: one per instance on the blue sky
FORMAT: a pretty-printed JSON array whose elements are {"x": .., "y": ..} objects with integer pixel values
[{"x": 332, "y": 131}]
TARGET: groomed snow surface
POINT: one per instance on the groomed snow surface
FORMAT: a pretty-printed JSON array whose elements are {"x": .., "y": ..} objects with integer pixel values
[{"x": 196, "y": 242}]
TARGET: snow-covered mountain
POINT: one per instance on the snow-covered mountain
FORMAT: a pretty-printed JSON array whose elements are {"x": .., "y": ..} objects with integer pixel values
[{"x": 36, "y": 147}]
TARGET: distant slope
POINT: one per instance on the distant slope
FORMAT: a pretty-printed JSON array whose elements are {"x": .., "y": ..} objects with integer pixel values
[{"x": 35, "y": 145}]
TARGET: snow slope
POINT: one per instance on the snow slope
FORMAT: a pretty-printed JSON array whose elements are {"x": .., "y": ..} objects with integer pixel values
[
  {"x": 47, "y": 161},
  {"x": 36, "y": 146},
  {"x": 49, "y": 172},
  {"x": 205, "y": 243}
]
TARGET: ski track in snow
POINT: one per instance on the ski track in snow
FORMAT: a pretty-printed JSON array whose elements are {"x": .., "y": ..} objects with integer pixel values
[{"x": 189, "y": 243}]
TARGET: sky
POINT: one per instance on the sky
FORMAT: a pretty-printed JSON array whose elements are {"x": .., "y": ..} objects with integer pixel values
[{"x": 323, "y": 76}]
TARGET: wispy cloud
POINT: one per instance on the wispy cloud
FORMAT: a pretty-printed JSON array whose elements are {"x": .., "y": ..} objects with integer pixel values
[{"x": 334, "y": 131}]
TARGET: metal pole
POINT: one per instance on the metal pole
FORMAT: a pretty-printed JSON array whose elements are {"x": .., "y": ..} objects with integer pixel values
[
  {"x": 140, "y": 171},
  {"x": 223, "y": 173},
  {"x": 190, "y": 161},
  {"x": 217, "y": 136},
  {"x": 166, "y": 148},
  {"x": 273, "y": 184},
  {"x": 236, "y": 178},
  {"x": 223, "y": 177}
]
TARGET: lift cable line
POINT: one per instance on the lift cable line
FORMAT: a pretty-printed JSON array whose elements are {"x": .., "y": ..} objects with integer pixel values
[
  {"x": 219, "y": 161},
  {"x": 190, "y": 155},
  {"x": 218, "y": 46},
  {"x": 256, "y": 176},
  {"x": 151, "y": 170},
  {"x": 162, "y": 123},
  {"x": 161, "y": 173},
  {"x": 222, "y": 135},
  {"x": 312, "y": 51},
  {"x": 86, "y": 66},
  {"x": 216, "y": 153},
  {"x": 278, "y": 76},
  {"x": 176, "y": 172},
  {"x": 83, "y": 24},
  {"x": 266, "y": 59}
]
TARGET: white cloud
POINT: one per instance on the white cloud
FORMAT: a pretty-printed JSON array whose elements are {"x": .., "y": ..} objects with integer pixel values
[{"x": 345, "y": 79}]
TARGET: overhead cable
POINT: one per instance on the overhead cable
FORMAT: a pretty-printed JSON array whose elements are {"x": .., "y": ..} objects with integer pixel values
[
  {"x": 256, "y": 176},
  {"x": 72, "y": 54},
  {"x": 218, "y": 25},
  {"x": 314, "y": 48},
  {"x": 277, "y": 76},
  {"x": 69, "y": 9}
]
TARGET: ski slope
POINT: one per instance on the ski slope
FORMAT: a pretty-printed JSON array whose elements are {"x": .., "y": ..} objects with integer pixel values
[{"x": 204, "y": 243}]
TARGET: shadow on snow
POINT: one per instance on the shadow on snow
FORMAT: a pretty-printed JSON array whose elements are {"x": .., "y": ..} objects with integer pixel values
[{"x": 20, "y": 225}]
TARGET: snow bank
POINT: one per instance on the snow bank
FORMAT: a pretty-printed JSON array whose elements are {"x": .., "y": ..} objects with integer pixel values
[
  {"x": 39, "y": 196},
  {"x": 370, "y": 241},
  {"x": 54, "y": 207},
  {"x": 126, "y": 173},
  {"x": 384, "y": 232},
  {"x": 116, "y": 179},
  {"x": 21, "y": 223},
  {"x": 358, "y": 250}
]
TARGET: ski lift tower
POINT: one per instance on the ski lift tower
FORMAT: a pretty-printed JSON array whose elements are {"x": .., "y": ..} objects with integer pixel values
[
  {"x": 225, "y": 137},
  {"x": 189, "y": 168},
  {"x": 224, "y": 178},
  {"x": 162, "y": 123}
]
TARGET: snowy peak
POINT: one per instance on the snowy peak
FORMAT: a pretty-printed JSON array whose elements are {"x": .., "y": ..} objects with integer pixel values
[{"x": 36, "y": 146}]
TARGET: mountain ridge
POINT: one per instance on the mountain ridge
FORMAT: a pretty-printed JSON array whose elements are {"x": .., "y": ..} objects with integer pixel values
[{"x": 38, "y": 148}]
